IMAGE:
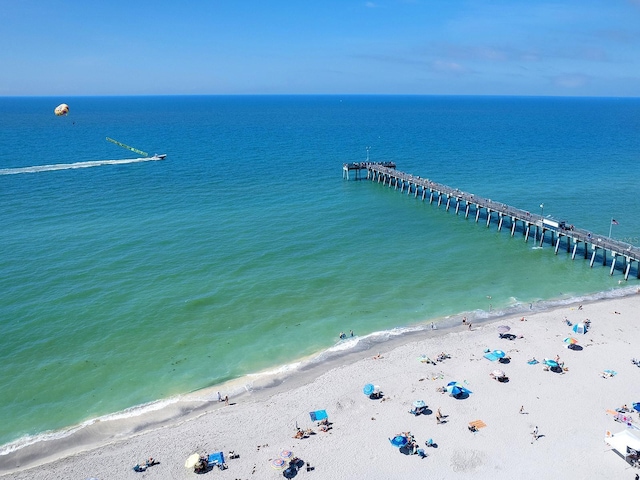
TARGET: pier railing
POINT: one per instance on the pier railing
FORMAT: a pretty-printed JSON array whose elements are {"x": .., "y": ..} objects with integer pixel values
[{"x": 575, "y": 238}]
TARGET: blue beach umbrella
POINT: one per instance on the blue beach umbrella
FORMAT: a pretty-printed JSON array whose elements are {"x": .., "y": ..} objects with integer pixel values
[
  {"x": 454, "y": 390},
  {"x": 499, "y": 353},
  {"x": 580, "y": 328},
  {"x": 399, "y": 441},
  {"x": 551, "y": 363},
  {"x": 368, "y": 389}
]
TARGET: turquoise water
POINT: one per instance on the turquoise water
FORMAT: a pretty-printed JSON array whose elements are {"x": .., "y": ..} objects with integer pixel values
[{"x": 245, "y": 249}]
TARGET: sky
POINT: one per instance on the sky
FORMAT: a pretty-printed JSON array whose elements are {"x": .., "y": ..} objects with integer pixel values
[{"x": 247, "y": 47}]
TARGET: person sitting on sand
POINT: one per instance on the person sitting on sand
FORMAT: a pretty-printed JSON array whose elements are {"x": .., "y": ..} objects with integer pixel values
[{"x": 472, "y": 428}]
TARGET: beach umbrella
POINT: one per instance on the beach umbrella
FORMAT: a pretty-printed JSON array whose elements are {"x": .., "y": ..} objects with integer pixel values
[
  {"x": 419, "y": 404},
  {"x": 454, "y": 390},
  {"x": 399, "y": 441},
  {"x": 192, "y": 460},
  {"x": 636, "y": 407},
  {"x": 499, "y": 353},
  {"x": 368, "y": 389},
  {"x": 570, "y": 341},
  {"x": 503, "y": 329},
  {"x": 278, "y": 463},
  {"x": 580, "y": 328},
  {"x": 286, "y": 454},
  {"x": 498, "y": 373},
  {"x": 551, "y": 363}
]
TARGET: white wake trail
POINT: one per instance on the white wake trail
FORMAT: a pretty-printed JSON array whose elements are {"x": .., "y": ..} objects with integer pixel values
[{"x": 68, "y": 166}]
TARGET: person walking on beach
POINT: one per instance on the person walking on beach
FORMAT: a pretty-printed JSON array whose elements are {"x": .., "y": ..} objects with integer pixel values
[
  {"x": 522, "y": 409},
  {"x": 535, "y": 435}
]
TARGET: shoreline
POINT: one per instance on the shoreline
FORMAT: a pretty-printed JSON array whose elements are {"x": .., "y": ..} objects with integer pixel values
[{"x": 204, "y": 408}]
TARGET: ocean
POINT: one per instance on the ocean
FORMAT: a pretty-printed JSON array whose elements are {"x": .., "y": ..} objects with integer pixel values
[{"x": 124, "y": 285}]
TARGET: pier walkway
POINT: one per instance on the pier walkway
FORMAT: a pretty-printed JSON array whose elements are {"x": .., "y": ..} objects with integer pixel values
[{"x": 592, "y": 246}]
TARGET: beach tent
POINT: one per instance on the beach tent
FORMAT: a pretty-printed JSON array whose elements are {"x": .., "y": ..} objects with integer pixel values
[
  {"x": 216, "y": 459},
  {"x": 580, "y": 328},
  {"x": 622, "y": 442}
]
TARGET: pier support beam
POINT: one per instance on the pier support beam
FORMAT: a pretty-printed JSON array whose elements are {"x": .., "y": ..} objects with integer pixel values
[
  {"x": 500, "y": 221},
  {"x": 488, "y": 217},
  {"x": 477, "y": 213},
  {"x": 575, "y": 249},
  {"x": 557, "y": 245},
  {"x": 593, "y": 255},
  {"x": 431, "y": 197},
  {"x": 604, "y": 257},
  {"x": 626, "y": 270},
  {"x": 448, "y": 203},
  {"x": 526, "y": 233},
  {"x": 613, "y": 263},
  {"x": 466, "y": 211},
  {"x": 514, "y": 222},
  {"x": 439, "y": 198},
  {"x": 457, "y": 205}
]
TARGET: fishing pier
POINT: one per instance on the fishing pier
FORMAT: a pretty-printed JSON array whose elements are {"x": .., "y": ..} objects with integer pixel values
[{"x": 610, "y": 252}]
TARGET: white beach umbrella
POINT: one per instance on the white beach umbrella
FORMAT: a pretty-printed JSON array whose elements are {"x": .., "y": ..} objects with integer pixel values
[{"x": 192, "y": 460}]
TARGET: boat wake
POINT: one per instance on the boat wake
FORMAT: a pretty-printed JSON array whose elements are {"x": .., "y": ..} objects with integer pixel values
[{"x": 70, "y": 166}]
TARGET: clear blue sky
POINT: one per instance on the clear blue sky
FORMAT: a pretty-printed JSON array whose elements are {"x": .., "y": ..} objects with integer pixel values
[{"x": 443, "y": 47}]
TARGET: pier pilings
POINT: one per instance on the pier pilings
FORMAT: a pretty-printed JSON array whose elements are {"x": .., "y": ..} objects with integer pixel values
[{"x": 591, "y": 244}]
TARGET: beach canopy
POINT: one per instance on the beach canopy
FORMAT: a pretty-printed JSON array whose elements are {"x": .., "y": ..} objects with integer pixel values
[
  {"x": 318, "y": 415},
  {"x": 192, "y": 460},
  {"x": 419, "y": 404},
  {"x": 636, "y": 406},
  {"x": 503, "y": 329},
  {"x": 580, "y": 328},
  {"x": 550, "y": 363},
  {"x": 498, "y": 373},
  {"x": 570, "y": 340},
  {"x": 216, "y": 458},
  {"x": 399, "y": 441}
]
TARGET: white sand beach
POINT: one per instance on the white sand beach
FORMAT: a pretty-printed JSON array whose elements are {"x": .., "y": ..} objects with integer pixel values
[{"x": 568, "y": 409}]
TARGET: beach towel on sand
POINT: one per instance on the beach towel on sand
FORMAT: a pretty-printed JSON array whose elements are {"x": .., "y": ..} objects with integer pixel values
[
  {"x": 491, "y": 356},
  {"x": 477, "y": 424}
]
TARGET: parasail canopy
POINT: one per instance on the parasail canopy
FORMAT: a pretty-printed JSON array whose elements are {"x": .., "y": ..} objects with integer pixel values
[{"x": 61, "y": 109}]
